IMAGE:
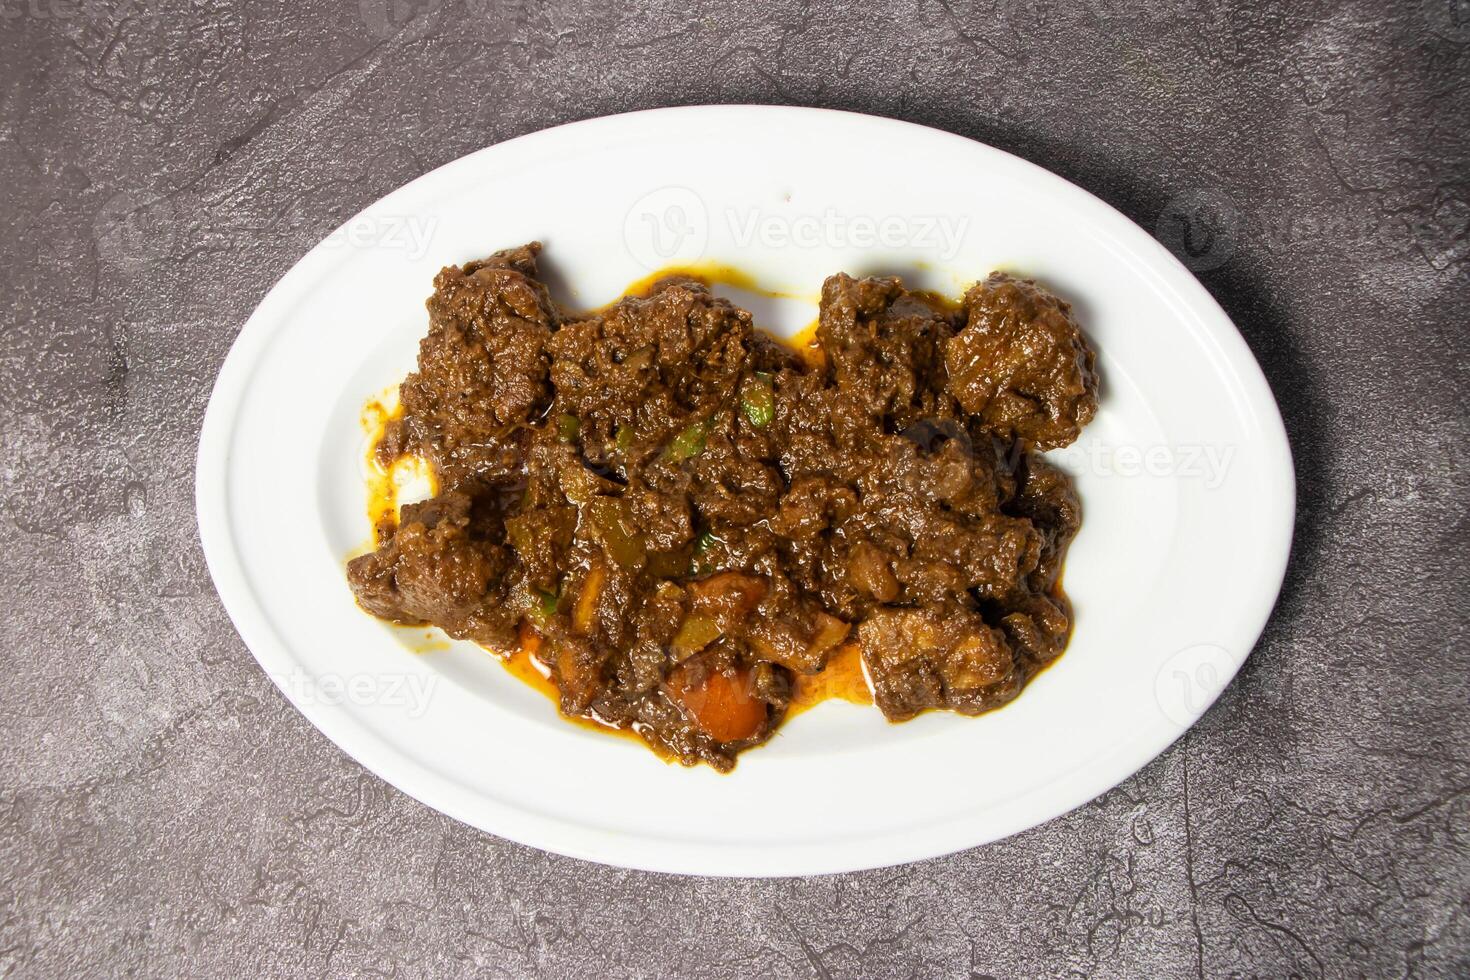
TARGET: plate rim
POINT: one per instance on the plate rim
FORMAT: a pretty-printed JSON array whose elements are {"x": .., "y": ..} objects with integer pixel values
[{"x": 369, "y": 749}]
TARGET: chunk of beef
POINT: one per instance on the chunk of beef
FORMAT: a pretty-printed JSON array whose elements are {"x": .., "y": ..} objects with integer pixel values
[
  {"x": 1046, "y": 498},
  {"x": 918, "y": 659},
  {"x": 439, "y": 568},
  {"x": 1022, "y": 364},
  {"x": 649, "y": 366},
  {"x": 884, "y": 347},
  {"x": 482, "y": 368}
]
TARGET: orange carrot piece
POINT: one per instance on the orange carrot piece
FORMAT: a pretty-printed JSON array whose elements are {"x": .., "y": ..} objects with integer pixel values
[{"x": 722, "y": 707}]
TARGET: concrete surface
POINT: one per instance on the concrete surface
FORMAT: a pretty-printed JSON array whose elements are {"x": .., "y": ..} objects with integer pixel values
[{"x": 163, "y": 811}]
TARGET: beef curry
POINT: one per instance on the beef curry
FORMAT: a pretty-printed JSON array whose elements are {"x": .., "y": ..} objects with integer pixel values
[{"x": 687, "y": 514}]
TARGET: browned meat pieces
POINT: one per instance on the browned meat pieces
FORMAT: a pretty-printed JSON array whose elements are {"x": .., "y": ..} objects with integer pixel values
[
  {"x": 1047, "y": 501},
  {"x": 482, "y": 369},
  {"x": 646, "y": 368},
  {"x": 1038, "y": 625},
  {"x": 942, "y": 506},
  {"x": 687, "y": 518},
  {"x": 908, "y": 518},
  {"x": 936, "y": 658},
  {"x": 439, "y": 568},
  {"x": 1021, "y": 363},
  {"x": 884, "y": 347}
]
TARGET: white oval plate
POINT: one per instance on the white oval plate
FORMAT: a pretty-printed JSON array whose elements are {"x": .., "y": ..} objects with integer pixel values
[{"x": 1185, "y": 478}]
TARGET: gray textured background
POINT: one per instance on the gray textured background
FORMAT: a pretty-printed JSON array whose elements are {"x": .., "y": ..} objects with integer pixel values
[{"x": 162, "y": 808}]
